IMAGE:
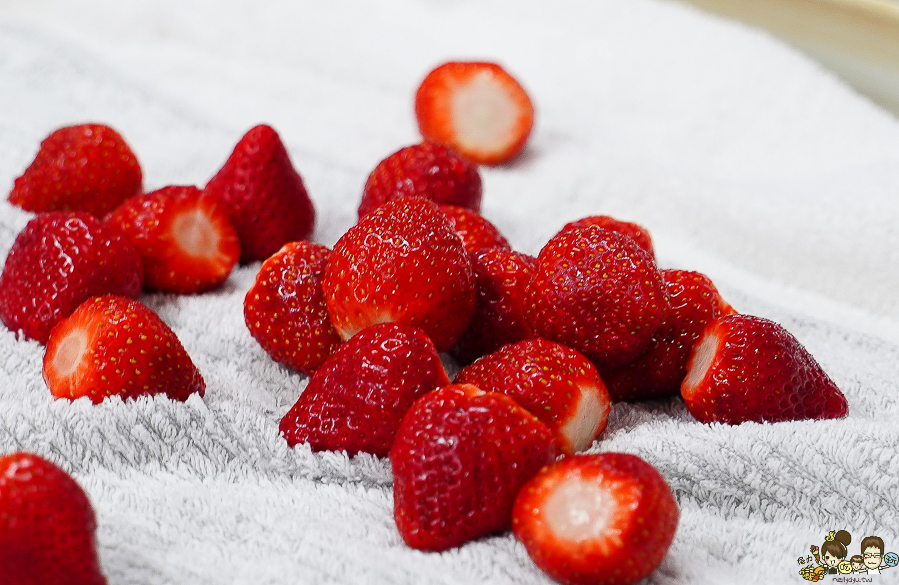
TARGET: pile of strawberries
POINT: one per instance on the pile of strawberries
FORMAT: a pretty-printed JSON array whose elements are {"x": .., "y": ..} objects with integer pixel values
[{"x": 547, "y": 343}]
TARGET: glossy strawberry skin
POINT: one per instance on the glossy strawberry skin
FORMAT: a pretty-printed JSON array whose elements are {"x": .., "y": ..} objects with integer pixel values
[
  {"x": 638, "y": 519},
  {"x": 115, "y": 346},
  {"x": 285, "y": 308},
  {"x": 636, "y": 232},
  {"x": 745, "y": 368},
  {"x": 459, "y": 458},
  {"x": 595, "y": 290},
  {"x": 59, "y": 260},
  {"x": 555, "y": 383},
  {"x": 86, "y": 167},
  {"x": 659, "y": 371},
  {"x": 501, "y": 277},
  {"x": 358, "y": 397},
  {"x": 476, "y": 232},
  {"x": 429, "y": 170},
  {"x": 263, "y": 195},
  {"x": 47, "y": 525},
  {"x": 403, "y": 263},
  {"x": 186, "y": 241}
]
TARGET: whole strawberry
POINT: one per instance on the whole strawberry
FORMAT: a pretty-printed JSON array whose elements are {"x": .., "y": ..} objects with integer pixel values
[
  {"x": 745, "y": 368},
  {"x": 114, "y": 346},
  {"x": 459, "y": 458},
  {"x": 185, "y": 239},
  {"x": 605, "y": 519},
  {"x": 285, "y": 308},
  {"x": 403, "y": 263},
  {"x": 358, "y": 397},
  {"x": 263, "y": 195},
  {"x": 59, "y": 260},
  {"x": 476, "y": 232},
  {"x": 47, "y": 525},
  {"x": 87, "y": 167},
  {"x": 555, "y": 383},
  {"x": 636, "y": 232},
  {"x": 659, "y": 370},
  {"x": 429, "y": 170},
  {"x": 501, "y": 277},
  {"x": 597, "y": 291}
]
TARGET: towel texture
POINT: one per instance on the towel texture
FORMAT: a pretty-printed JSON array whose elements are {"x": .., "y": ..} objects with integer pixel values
[{"x": 745, "y": 161}]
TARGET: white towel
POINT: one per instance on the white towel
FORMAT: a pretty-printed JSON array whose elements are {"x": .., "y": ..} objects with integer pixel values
[{"x": 744, "y": 159}]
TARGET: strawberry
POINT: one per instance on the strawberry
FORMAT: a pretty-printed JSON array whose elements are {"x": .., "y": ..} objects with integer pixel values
[
  {"x": 186, "y": 241},
  {"x": 597, "y": 291},
  {"x": 87, "y": 167},
  {"x": 636, "y": 232},
  {"x": 60, "y": 259},
  {"x": 405, "y": 263},
  {"x": 47, "y": 525},
  {"x": 476, "y": 108},
  {"x": 263, "y": 195},
  {"x": 555, "y": 383},
  {"x": 745, "y": 368},
  {"x": 285, "y": 308},
  {"x": 356, "y": 400},
  {"x": 114, "y": 346},
  {"x": 475, "y": 231},
  {"x": 428, "y": 170},
  {"x": 596, "y": 519},
  {"x": 501, "y": 277},
  {"x": 459, "y": 458},
  {"x": 659, "y": 370}
]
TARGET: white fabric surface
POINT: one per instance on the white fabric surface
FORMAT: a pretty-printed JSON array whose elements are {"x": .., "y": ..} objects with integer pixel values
[{"x": 745, "y": 160}]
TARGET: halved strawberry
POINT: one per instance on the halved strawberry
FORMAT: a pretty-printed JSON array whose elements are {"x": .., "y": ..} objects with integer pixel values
[
  {"x": 403, "y": 263},
  {"x": 477, "y": 108},
  {"x": 590, "y": 519},
  {"x": 745, "y": 368},
  {"x": 476, "y": 232},
  {"x": 185, "y": 239},
  {"x": 636, "y": 232},
  {"x": 430, "y": 170},
  {"x": 85, "y": 167},
  {"x": 285, "y": 308},
  {"x": 47, "y": 525},
  {"x": 113, "y": 346},
  {"x": 555, "y": 383},
  {"x": 458, "y": 459}
]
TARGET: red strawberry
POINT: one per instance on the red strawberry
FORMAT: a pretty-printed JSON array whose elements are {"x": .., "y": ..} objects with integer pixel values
[
  {"x": 113, "y": 346},
  {"x": 47, "y": 525},
  {"x": 427, "y": 170},
  {"x": 263, "y": 195},
  {"x": 555, "y": 383},
  {"x": 285, "y": 308},
  {"x": 356, "y": 400},
  {"x": 596, "y": 519},
  {"x": 459, "y": 458},
  {"x": 404, "y": 263},
  {"x": 185, "y": 239},
  {"x": 476, "y": 232},
  {"x": 501, "y": 277},
  {"x": 476, "y": 108},
  {"x": 634, "y": 231},
  {"x": 59, "y": 260},
  {"x": 87, "y": 167},
  {"x": 659, "y": 370},
  {"x": 746, "y": 368},
  {"x": 595, "y": 290}
]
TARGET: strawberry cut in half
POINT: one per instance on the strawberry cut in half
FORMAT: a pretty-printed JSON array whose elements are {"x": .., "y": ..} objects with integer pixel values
[
  {"x": 476, "y": 108},
  {"x": 113, "y": 346},
  {"x": 185, "y": 239},
  {"x": 745, "y": 368},
  {"x": 47, "y": 525},
  {"x": 596, "y": 519}
]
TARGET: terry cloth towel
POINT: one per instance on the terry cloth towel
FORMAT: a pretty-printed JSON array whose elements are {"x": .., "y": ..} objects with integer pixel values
[{"x": 745, "y": 160}]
